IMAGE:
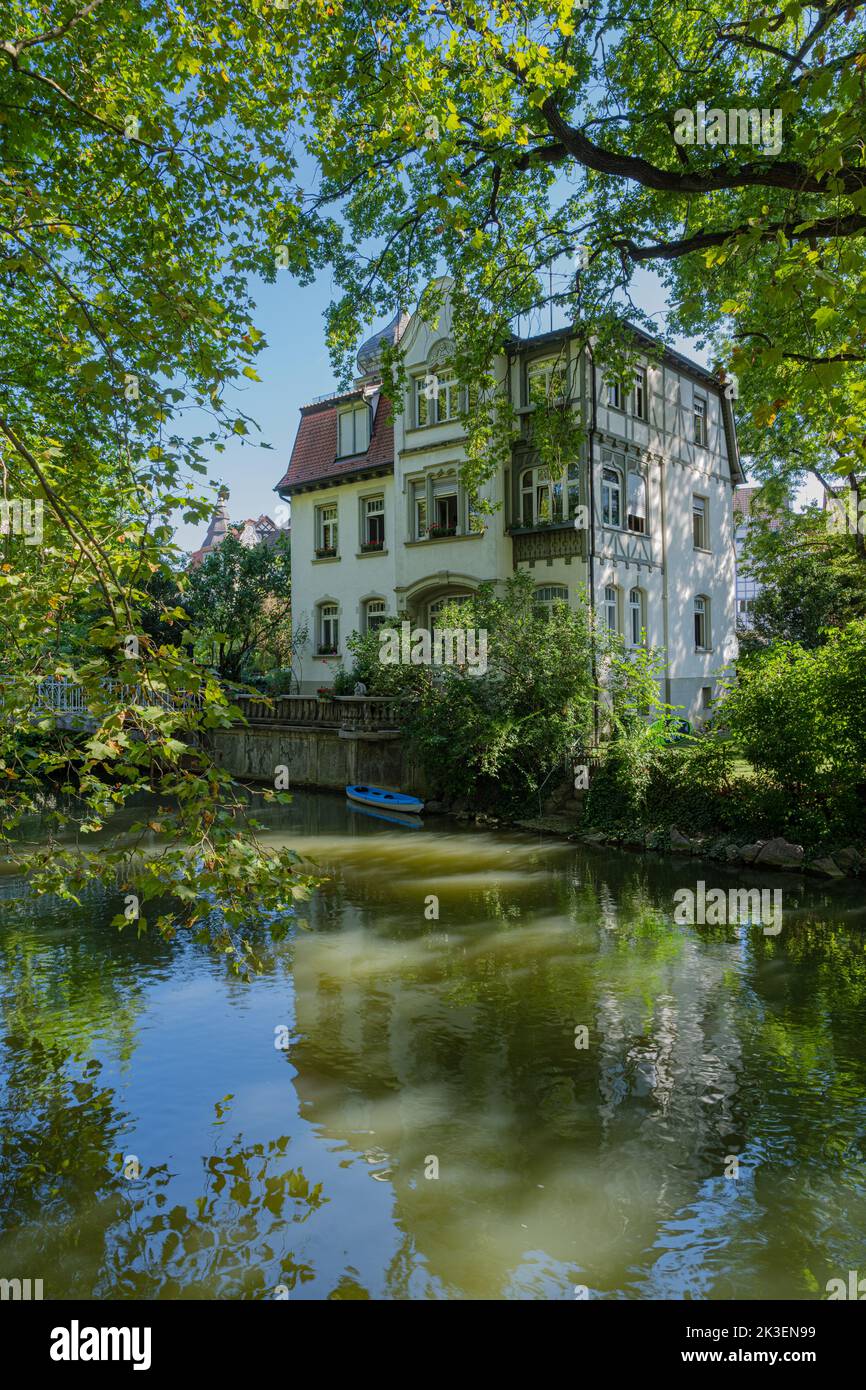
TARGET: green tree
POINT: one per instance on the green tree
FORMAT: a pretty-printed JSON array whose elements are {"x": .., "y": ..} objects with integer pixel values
[
  {"x": 146, "y": 175},
  {"x": 498, "y": 140},
  {"x": 811, "y": 575},
  {"x": 239, "y": 603}
]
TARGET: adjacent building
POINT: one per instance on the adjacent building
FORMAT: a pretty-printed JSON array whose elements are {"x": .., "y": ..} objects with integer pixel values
[
  {"x": 748, "y": 587},
  {"x": 639, "y": 525},
  {"x": 250, "y": 532}
]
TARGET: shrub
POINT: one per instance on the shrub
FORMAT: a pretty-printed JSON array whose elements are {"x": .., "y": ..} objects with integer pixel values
[{"x": 800, "y": 715}]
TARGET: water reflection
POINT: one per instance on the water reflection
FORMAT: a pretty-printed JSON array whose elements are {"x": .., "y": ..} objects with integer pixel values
[{"x": 416, "y": 1045}]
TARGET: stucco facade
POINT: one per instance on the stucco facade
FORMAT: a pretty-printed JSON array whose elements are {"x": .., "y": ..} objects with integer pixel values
[{"x": 640, "y": 525}]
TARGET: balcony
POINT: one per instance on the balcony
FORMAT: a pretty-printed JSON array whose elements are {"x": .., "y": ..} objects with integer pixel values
[
  {"x": 557, "y": 541},
  {"x": 345, "y": 714}
]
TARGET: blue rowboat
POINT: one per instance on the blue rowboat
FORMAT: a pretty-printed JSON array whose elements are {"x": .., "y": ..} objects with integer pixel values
[{"x": 381, "y": 800}]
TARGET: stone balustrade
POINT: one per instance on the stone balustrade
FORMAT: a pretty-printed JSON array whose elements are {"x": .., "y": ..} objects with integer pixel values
[{"x": 362, "y": 713}]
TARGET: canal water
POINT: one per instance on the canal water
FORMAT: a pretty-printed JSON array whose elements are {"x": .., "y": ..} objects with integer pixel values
[{"x": 549, "y": 1090}]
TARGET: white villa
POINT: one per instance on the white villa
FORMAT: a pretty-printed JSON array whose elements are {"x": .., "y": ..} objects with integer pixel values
[{"x": 641, "y": 527}]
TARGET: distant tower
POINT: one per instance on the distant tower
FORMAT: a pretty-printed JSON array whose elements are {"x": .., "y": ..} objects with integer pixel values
[{"x": 217, "y": 530}]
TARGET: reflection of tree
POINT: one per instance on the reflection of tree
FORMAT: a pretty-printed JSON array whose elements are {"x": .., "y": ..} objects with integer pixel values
[
  {"x": 68, "y": 975},
  {"x": 455, "y": 1038},
  {"x": 72, "y": 1218}
]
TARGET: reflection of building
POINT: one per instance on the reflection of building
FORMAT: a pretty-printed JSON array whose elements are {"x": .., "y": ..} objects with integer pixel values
[
  {"x": 640, "y": 519},
  {"x": 455, "y": 1040},
  {"x": 264, "y": 531},
  {"x": 747, "y": 587}
]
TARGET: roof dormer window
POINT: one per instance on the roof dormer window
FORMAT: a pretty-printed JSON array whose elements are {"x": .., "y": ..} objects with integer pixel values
[{"x": 353, "y": 430}]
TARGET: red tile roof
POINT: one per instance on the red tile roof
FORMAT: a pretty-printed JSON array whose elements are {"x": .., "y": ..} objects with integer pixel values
[{"x": 314, "y": 455}]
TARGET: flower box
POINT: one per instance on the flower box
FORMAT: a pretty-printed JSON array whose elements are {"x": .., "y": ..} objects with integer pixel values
[
  {"x": 326, "y": 552},
  {"x": 371, "y": 545},
  {"x": 434, "y": 531}
]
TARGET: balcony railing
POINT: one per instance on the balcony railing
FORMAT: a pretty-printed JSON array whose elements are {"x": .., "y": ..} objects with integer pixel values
[
  {"x": 361, "y": 713},
  {"x": 556, "y": 541}
]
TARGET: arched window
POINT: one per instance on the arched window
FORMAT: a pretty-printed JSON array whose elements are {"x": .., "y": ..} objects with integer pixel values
[
  {"x": 329, "y": 629},
  {"x": 435, "y": 608},
  {"x": 375, "y": 612},
  {"x": 611, "y": 497},
  {"x": 540, "y": 497},
  {"x": 637, "y": 503},
  {"x": 636, "y": 617},
  {"x": 547, "y": 595},
  {"x": 702, "y": 623},
  {"x": 611, "y": 608}
]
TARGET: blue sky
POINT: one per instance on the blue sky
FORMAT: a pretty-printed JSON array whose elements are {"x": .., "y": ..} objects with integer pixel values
[{"x": 294, "y": 368}]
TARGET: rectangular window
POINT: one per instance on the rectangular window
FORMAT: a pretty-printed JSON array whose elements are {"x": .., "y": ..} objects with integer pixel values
[
  {"x": 437, "y": 398},
  {"x": 546, "y": 380},
  {"x": 636, "y": 617},
  {"x": 373, "y": 535},
  {"x": 419, "y": 510},
  {"x": 706, "y": 696},
  {"x": 701, "y": 625},
  {"x": 699, "y": 409},
  {"x": 611, "y": 614},
  {"x": 353, "y": 431},
  {"x": 445, "y": 514},
  {"x": 614, "y": 395},
  {"x": 447, "y": 399},
  {"x": 329, "y": 632},
  {"x": 700, "y": 523},
  {"x": 326, "y": 530},
  {"x": 637, "y": 503},
  {"x": 423, "y": 397},
  {"x": 640, "y": 400},
  {"x": 376, "y": 614},
  {"x": 611, "y": 497}
]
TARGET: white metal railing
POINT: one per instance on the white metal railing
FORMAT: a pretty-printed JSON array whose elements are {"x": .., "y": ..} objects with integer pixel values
[{"x": 65, "y": 697}]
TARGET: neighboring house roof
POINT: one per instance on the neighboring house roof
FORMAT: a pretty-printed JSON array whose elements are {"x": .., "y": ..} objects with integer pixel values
[
  {"x": 263, "y": 531},
  {"x": 314, "y": 459},
  {"x": 743, "y": 500}
]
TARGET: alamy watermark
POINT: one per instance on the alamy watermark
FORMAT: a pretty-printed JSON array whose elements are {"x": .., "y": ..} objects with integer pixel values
[
  {"x": 846, "y": 513},
  {"x": 22, "y": 517},
  {"x": 20, "y": 1289},
  {"x": 736, "y": 126},
  {"x": 444, "y": 646},
  {"x": 699, "y": 907}
]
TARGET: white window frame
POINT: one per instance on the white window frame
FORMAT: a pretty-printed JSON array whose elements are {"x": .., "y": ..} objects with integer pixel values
[
  {"x": 701, "y": 610},
  {"x": 375, "y": 614},
  {"x": 437, "y": 404},
  {"x": 546, "y": 597},
  {"x": 435, "y": 606},
  {"x": 329, "y": 628},
  {"x": 327, "y": 528},
  {"x": 359, "y": 411},
  {"x": 372, "y": 507},
  {"x": 611, "y": 607},
  {"x": 614, "y": 395},
  {"x": 554, "y": 372},
  {"x": 639, "y": 395},
  {"x": 536, "y": 484},
  {"x": 699, "y": 420},
  {"x": 419, "y": 510},
  {"x": 641, "y": 497},
  {"x": 611, "y": 488},
  {"x": 444, "y": 488},
  {"x": 636, "y": 610},
  {"x": 701, "y": 508}
]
